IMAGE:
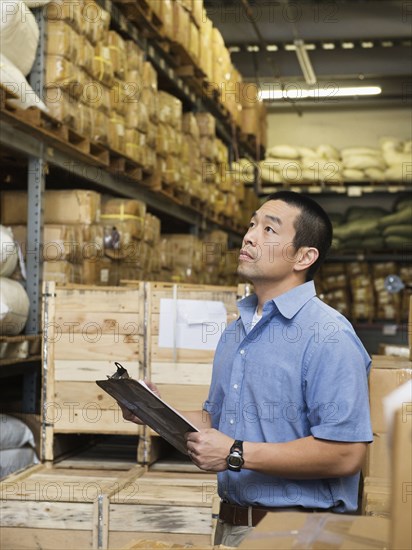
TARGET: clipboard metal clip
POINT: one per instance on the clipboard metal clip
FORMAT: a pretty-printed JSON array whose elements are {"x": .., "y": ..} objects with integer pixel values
[{"x": 120, "y": 373}]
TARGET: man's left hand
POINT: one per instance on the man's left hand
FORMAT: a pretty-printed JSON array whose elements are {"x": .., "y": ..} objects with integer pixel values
[{"x": 208, "y": 449}]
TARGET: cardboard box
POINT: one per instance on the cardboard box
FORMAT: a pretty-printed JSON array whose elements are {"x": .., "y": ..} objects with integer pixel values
[
  {"x": 410, "y": 328},
  {"x": 386, "y": 375},
  {"x": 401, "y": 504},
  {"x": 376, "y": 497},
  {"x": 377, "y": 463},
  {"x": 294, "y": 530}
]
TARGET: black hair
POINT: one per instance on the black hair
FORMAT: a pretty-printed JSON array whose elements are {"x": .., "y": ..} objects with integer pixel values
[{"x": 312, "y": 227}]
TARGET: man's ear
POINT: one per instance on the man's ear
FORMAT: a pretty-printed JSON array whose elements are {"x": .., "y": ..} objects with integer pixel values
[{"x": 307, "y": 256}]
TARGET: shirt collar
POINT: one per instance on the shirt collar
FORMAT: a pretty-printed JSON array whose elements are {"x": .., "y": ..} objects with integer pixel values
[{"x": 288, "y": 303}]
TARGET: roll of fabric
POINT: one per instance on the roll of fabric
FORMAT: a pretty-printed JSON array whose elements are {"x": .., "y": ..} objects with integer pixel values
[
  {"x": 14, "y": 307},
  {"x": 19, "y": 34},
  {"x": 8, "y": 252}
]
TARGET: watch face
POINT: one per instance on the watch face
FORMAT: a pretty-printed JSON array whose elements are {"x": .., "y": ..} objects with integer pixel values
[{"x": 235, "y": 461}]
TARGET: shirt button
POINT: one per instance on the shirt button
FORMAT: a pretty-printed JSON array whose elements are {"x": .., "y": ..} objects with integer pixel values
[
  {"x": 242, "y": 352},
  {"x": 235, "y": 386},
  {"x": 231, "y": 421}
]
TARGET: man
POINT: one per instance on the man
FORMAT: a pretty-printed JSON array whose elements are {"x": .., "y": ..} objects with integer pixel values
[{"x": 286, "y": 422}]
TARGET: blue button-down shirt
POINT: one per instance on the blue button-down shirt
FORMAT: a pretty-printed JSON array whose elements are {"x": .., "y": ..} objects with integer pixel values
[{"x": 300, "y": 371}]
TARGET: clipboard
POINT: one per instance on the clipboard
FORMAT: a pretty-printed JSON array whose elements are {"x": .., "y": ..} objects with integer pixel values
[{"x": 136, "y": 396}]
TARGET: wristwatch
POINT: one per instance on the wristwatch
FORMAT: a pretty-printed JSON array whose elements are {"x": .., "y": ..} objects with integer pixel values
[{"x": 235, "y": 459}]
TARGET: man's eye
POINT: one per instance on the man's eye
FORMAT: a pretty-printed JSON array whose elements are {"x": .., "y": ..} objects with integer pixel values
[
  {"x": 251, "y": 224},
  {"x": 270, "y": 229}
]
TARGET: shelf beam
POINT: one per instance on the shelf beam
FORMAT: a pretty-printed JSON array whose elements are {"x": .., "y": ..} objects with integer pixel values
[{"x": 15, "y": 138}]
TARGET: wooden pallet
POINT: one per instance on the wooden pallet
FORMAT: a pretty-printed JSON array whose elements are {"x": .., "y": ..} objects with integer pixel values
[
  {"x": 141, "y": 14},
  {"x": 40, "y": 124},
  {"x": 119, "y": 164},
  {"x": 63, "y": 506}
]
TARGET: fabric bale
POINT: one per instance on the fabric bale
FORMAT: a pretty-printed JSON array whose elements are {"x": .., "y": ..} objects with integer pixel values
[
  {"x": 14, "y": 80},
  {"x": 8, "y": 252},
  {"x": 19, "y": 34},
  {"x": 14, "y": 307},
  {"x": 283, "y": 151}
]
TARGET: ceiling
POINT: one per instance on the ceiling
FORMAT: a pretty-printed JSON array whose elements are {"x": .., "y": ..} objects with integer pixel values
[{"x": 349, "y": 42}]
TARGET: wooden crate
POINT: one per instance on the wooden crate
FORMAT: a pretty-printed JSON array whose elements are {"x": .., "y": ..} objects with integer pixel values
[
  {"x": 182, "y": 375},
  {"x": 87, "y": 329},
  {"x": 64, "y": 507}
]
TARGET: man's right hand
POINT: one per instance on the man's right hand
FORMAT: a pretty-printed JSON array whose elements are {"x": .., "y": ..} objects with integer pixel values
[{"x": 131, "y": 417}]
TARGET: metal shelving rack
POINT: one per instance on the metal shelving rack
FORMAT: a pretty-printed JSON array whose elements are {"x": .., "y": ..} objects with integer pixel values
[{"x": 41, "y": 154}]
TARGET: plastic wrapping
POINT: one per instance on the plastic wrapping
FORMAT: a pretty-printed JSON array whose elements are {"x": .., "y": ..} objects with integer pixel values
[
  {"x": 117, "y": 49},
  {"x": 135, "y": 56},
  {"x": 68, "y": 11},
  {"x": 82, "y": 122},
  {"x": 96, "y": 95},
  {"x": 61, "y": 106},
  {"x": 85, "y": 54},
  {"x": 61, "y": 73},
  {"x": 135, "y": 146},
  {"x": 63, "y": 40},
  {"x": 102, "y": 68},
  {"x": 117, "y": 133},
  {"x": 100, "y": 126}
]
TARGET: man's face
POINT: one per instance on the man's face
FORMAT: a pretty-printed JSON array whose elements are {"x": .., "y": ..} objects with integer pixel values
[{"x": 267, "y": 252}]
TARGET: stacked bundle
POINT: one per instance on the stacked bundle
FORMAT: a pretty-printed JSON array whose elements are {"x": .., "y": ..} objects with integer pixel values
[
  {"x": 169, "y": 141},
  {"x": 397, "y": 155},
  {"x": 332, "y": 285},
  {"x": 361, "y": 287},
  {"x": 301, "y": 165},
  {"x": 374, "y": 228},
  {"x": 191, "y": 161},
  {"x": 181, "y": 258},
  {"x": 73, "y": 238},
  {"x": 396, "y": 228},
  {"x": 360, "y": 229},
  {"x": 387, "y": 304},
  {"x": 363, "y": 164}
]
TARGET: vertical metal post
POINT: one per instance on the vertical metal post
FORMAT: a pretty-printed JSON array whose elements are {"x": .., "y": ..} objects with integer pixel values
[{"x": 35, "y": 192}]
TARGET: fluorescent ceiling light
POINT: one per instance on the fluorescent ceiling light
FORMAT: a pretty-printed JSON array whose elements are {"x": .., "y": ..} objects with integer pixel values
[
  {"x": 348, "y": 45},
  {"x": 304, "y": 62},
  {"x": 328, "y": 46},
  {"x": 234, "y": 49},
  {"x": 367, "y": 44},
  {"x": 387, "y": 44},
  {"x": 331, "y": 93},
  {"x": 272, "y": 48},
  {"x": 252, "y": 48},
  {"x": 290, "y": 47}
]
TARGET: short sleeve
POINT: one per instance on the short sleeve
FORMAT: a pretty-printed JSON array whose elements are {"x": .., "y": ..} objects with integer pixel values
[{"x": 336, "y": 390}]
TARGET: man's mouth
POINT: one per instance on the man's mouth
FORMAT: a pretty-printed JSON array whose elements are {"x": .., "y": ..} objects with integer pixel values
[{"x": 244, "y": 255}]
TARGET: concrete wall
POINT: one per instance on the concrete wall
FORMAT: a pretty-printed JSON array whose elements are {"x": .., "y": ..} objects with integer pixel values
[{"x": 344, "y": 128}]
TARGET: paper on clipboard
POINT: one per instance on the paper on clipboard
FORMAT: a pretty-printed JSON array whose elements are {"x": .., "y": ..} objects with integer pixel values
[
  {"x": 136, "y": 396},
  {"x": 191, "y": 324}
]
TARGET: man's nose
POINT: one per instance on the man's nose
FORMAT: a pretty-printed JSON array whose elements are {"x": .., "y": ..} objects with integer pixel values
[{"x": 250, "y": 237}]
